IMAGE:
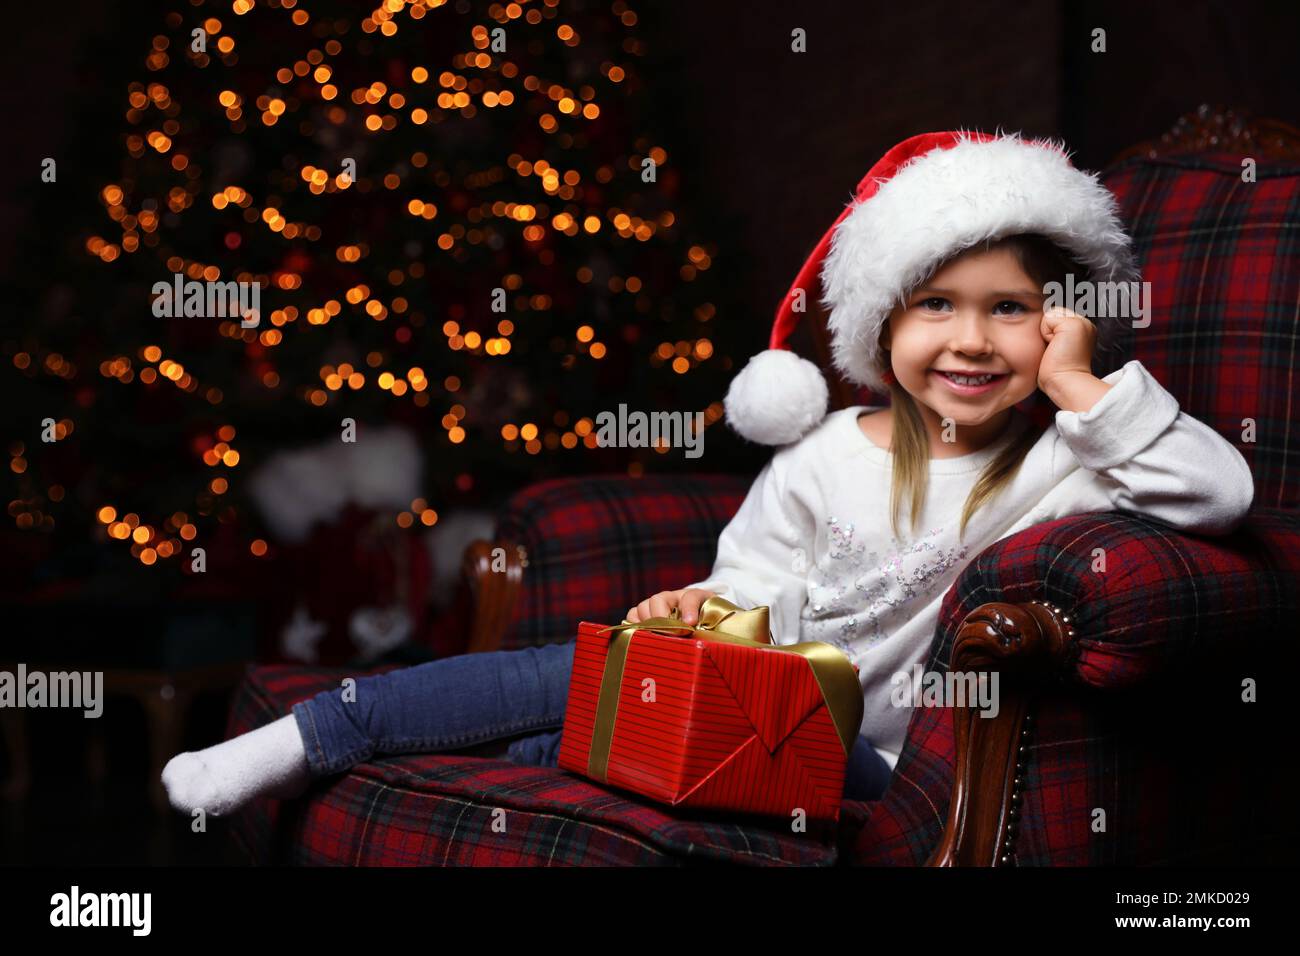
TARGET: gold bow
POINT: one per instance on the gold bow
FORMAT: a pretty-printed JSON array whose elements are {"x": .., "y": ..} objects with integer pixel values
[{"x": 834, "y": 673}]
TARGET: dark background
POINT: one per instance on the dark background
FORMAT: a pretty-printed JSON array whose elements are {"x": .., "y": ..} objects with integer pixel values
[{"x": 770, "y": 144}]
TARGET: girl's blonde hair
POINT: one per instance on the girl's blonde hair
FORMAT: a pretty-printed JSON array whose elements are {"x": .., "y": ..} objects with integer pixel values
[{"x": 1043, "y": 261}]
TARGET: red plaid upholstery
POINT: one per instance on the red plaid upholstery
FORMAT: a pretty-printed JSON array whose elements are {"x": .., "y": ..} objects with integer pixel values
[
  {"x": 1146, "y": 724},
  {"x": 1223, "y": 260}
]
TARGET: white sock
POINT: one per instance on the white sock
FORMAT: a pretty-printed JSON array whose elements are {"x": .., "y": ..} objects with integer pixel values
[{"x": 270, "y": 760}]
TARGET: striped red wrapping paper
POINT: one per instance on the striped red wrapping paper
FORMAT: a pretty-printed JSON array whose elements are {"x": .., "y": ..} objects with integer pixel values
[{"x": 708, "y": 725}]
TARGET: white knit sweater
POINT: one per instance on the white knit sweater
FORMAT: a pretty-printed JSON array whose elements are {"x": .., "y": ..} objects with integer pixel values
[{"x": 812, "y": 539}]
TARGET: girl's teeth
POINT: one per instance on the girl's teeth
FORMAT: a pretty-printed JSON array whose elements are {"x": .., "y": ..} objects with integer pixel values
[{"x": 968, "y": 380}]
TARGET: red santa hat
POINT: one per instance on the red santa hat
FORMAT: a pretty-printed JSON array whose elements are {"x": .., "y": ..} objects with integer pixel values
[{"x": 929, "y": 197}]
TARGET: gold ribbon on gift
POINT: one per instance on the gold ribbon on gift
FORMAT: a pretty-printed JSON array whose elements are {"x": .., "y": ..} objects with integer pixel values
[{"x": 720, "y": 620}]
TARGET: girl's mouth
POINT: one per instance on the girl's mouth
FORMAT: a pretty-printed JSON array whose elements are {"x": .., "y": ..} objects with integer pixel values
[{"x": 969, "y": 385}]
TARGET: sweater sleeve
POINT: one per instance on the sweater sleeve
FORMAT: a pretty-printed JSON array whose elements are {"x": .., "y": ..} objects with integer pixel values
[
  {"x": 764, "y": 551},
  {"x": 1145, "y": 455}
]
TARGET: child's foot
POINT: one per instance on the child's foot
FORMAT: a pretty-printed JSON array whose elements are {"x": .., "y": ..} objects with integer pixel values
[{"x": 269, "y": 761}]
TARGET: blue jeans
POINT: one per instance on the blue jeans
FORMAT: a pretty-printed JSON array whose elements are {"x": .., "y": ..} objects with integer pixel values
[{"x": 512, "y": 700}]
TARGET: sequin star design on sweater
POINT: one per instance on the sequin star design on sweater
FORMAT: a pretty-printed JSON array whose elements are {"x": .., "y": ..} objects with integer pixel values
[{"x": 847, "y": 569}]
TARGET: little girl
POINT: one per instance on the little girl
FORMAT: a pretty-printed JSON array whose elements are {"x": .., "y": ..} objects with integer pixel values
[{"x": 937, "y": 278}]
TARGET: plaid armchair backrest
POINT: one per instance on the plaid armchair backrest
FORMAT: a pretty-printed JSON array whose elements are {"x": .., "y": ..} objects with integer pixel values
[
  {"x": 1223, "y": 259},
  {"x": 598, "y": 544}
]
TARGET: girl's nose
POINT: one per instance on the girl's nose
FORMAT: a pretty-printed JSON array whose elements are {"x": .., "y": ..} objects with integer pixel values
[{"x": 970, "y": 335}]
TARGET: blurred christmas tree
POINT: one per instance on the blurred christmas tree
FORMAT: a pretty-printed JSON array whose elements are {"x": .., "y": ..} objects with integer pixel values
[{"x": 456, "y": 222}]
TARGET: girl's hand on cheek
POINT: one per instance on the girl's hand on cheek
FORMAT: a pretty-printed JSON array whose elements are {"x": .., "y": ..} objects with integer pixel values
[
  {"x": 1070, "y": 339},
  {"x": 1065, "y": 370}
]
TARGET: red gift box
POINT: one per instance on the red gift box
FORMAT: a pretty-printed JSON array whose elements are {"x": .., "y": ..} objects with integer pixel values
[{"x": 700, "y": 717}]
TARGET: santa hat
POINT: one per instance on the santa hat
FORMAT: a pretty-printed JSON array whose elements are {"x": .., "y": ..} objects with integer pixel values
[{"x": 928, "y": 198}]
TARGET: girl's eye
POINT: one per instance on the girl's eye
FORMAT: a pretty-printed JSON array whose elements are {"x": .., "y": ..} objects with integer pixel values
[
  {"x": 1015, "y": 306},
  {"x": 934, "y": 303}
]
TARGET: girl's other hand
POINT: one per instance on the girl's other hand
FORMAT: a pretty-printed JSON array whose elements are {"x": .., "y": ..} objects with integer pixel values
[{"x": 687, "y": 601}]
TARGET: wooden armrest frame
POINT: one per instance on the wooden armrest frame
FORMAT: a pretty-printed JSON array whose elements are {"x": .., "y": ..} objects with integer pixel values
[{"x": 1024, "y": 643}]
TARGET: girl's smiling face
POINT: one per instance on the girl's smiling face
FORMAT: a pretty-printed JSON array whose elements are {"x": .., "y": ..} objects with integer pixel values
[{"x": 979, "y": 313}]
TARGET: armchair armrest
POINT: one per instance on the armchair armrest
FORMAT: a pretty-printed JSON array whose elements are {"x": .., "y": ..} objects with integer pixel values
[
  {"x": 1143, "y": 602},
  {"x": 1092, "y": 719},
  {"x": 1143, "y": 598}
]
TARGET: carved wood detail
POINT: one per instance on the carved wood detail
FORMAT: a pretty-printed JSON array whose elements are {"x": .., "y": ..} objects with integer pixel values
[
  {"x": 1024, "y": 643},
  {"x": 1218, "y": 129}
]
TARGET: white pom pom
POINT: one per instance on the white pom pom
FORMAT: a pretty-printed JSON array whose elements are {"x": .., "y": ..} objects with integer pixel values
[{"x": 777, "y": 398}]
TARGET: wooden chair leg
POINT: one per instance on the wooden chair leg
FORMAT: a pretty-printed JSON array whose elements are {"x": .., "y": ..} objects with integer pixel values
[{"x": 1021, "y": 642}]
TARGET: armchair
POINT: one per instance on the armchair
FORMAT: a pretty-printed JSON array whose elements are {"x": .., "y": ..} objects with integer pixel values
[{"x": 1137, "y": 723}]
